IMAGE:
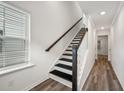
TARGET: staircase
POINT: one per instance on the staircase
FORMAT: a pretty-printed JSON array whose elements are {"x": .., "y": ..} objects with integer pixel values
[{"x": 62, "y": 70}]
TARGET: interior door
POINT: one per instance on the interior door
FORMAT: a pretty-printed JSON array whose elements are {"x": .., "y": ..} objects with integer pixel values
[{"x": 102, "y": 45}]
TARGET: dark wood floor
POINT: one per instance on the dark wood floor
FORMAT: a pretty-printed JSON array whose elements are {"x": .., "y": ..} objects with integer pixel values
[{"x": 101, "y": 78}]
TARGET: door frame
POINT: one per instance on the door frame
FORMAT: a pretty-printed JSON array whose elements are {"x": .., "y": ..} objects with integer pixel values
[{"x": 108, "y": 46}]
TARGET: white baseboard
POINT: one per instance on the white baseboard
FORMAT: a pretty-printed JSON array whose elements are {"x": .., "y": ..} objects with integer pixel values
[
  {"x": 45, "y": 77},
  {"x": 83, "y": 82},
  {"x": 116, "y": 72}
]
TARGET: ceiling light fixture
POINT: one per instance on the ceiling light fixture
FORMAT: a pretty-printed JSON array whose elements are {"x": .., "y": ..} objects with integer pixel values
[
  {"x": 102, "y": 13},
  {"x": 102, "y": 28}
]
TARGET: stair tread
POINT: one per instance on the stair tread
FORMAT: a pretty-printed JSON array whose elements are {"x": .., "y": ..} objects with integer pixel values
[
  {"x": 76, "y": 40},
  {"x": 78, "y": 36},
  {"x": 62, "y": 75},
  {"x": 69, "y": 50},
  {"x": 65, "y": 59},
  {"x": 67, "y": 54},
  {"x": 64, "y": 66},
  {"x": 69, "y": 46},
  {"x": 74, "y": 43}
]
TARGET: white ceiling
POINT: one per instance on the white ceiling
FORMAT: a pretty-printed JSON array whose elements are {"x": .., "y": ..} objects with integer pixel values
[{"x": 93, "y": 9}]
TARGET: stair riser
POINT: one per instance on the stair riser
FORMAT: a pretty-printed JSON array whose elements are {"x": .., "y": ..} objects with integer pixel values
[
  {"x": 69, "y": 48},
  {"x": 66, "y": 60},
  {"x": 73, "y": 44},
  {"x": 68, "y": 52},
  {"x": 68, "y": 57},
  {"x": 75, "y": 41},
  {"x": 78, "y": 37},
  {"x": 63, "y": 70},
  {"x": 65, "y": 63},
  {"x": 63, "y": 81}
]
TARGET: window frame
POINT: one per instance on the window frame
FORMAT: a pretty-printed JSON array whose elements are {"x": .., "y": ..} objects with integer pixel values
[{"x": 16, "y": 67}]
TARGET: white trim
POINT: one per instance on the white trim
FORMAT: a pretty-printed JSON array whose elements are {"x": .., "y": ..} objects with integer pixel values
[
  {"x": 14, "y": 68},
  {"x": 29, "y": 36},
  {"x": 118, "y": 12},
  {"x": 83, "y": 82},
  {"x": 92, "y": 22},
  {"x": 44, "y": 78},
  {"x": 120, "y": 80}
]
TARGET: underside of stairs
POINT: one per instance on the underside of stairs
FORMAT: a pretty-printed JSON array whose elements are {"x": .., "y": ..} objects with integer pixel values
[{"x": 62, "y": 70}]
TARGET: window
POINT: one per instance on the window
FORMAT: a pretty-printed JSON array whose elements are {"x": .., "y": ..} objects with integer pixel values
[{"x": 14, "y": 36}]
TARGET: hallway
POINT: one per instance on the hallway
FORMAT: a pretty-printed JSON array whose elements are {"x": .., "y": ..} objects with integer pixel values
[{"x": 102, "y": 77}]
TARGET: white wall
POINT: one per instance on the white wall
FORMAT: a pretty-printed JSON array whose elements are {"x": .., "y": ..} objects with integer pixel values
[
  {"x": 117, "y": 37},
  {"x": 90, "y": 59},
  {"x": 103, "y": 32},
  {"x": 49, "y": 20}
]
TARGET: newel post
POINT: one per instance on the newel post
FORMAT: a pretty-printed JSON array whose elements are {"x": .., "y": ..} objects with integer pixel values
[{"x": 74, "y": 68}]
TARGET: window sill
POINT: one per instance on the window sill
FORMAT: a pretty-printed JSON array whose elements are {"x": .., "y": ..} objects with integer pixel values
[{"x": 15, "y": 68}]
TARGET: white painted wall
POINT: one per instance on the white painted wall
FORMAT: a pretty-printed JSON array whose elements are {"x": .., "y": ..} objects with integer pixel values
[
  {"x": 82, "y": 56},
  {"x": 103, "y": 32},
  {"x": 90, "y": 57},
  {"x": 117, "y": 37},
  {"x": 49, "y": 20}
]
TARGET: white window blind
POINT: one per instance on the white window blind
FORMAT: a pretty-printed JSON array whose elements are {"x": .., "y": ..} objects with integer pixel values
[{"x": 13, "y": 41}]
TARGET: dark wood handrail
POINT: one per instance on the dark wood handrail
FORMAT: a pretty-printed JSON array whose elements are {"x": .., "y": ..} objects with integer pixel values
[
  {"x": 74, "y": 62},
  {"x": 48, "y": 49}
]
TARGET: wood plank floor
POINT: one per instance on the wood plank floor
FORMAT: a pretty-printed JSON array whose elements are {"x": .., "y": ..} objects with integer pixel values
[
  {"x": 101, "y": 78},
  {"x": 51, "y": 85}
]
